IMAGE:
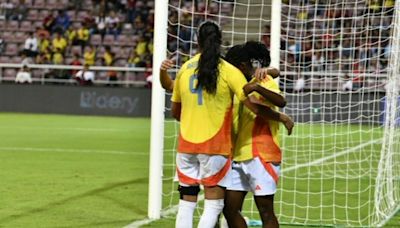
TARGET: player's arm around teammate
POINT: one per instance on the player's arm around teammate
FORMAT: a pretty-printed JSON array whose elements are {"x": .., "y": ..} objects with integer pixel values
[{"x": 256, "y": 153}]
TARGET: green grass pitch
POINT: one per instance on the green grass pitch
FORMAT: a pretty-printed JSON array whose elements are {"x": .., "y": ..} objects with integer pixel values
[{"x": 77, "y": 171}]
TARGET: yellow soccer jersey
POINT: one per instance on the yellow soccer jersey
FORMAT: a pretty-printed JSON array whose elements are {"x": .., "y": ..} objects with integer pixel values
[
  {"x": 206, "y": 119},
  {"x": 255, "y": 137}
]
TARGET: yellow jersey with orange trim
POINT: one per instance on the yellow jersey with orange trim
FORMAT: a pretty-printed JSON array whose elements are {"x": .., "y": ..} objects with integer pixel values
[
  {"x": 206, "y": 119},
  {"x": 256, "y": 137}
]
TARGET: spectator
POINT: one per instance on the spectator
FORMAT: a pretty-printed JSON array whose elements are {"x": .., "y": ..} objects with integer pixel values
[
  {"x": 58, "y": 57},
  {"x": 59, "y": 42},
  {"x": 83, "y": 36},
  {"x": 19, "y": 13},
  {"x": 85, "y": 76},
  {"x": 62, "y": 22},
  {"x": 75, "y": 4},
  {"x": 100, "y": 24},
  {"x": 130, "y": 10},
  {"x": 23, "y": 75},
  {"x": 113, "y": 25},
  {"x": 72, "y": 35},
  {"x": 49, "y": 21},
  {"x": 43, "y": 58},
  {"x": 141, "y": 46},
  {"x": 1, "y": 46},
  {"x": 108, "y": 57},
  {"x": 26, "y": 60},
  {"x": 6, "y": 9},
  {"x": 44, "y": 44},
  {"x": 90, "y": 56},
  {"x": 31, "y": 45},
  {"x": 348, "y": 83},
  {"x": 134, "y": 59},
  {"x": 112, "y": 78},
  {"x": 299, "y": 84},
  {"x": 75, "y": 62},
  {"x": 42, "y": 32}
]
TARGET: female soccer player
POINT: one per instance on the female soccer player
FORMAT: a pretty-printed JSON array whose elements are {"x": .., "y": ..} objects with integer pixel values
[
  {"x": 202, "y": 101},
  {"x": 257, "y": 156}
]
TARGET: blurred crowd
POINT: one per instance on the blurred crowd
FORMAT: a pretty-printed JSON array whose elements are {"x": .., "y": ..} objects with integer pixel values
[
  {"x": 332, "y": 35},
  {"x": 82, "y": 32}
]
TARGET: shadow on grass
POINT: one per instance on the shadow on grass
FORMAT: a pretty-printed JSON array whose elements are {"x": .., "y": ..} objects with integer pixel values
[{"x": 93, "y": 192}]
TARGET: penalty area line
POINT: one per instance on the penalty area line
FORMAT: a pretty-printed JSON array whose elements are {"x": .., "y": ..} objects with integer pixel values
[{"x": 319, "y": 161}]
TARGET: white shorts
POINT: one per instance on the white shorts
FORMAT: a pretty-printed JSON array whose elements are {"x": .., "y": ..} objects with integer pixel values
[
  {"x": 255, "y": 176},
  {"x": 208, "y": 170}
]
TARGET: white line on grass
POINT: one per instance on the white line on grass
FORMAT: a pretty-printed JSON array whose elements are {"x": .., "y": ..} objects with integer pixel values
[
  {"x": 174, "y": 209},
  {"x": 64, "y": 150},
  {"x": 70, "y": 129},
  {"x": 168, "y": 212},
  {"x": 318, "y": 161}
]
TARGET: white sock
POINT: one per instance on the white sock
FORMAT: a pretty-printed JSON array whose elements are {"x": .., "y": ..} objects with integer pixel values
[
  {"x": 212, "y": 209},
  {"x": 184, "y": 218}
]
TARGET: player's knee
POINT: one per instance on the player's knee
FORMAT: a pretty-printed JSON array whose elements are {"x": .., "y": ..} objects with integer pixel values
[{"x": 188, "y": 191}]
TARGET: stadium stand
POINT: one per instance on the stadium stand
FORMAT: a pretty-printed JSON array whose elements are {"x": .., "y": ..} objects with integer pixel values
[{"x": 124, "y": 25}]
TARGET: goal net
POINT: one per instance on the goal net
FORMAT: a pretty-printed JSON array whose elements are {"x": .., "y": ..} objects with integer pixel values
[{"x": 340, "y": 70}]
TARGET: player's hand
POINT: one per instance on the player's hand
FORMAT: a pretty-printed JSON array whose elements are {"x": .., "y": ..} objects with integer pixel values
[
  {"x": 288, "y": 122},
  {"x": 249, "y": 88},
  {"x": 260, "y": 74},
  {"x": 167, "y": 64}
]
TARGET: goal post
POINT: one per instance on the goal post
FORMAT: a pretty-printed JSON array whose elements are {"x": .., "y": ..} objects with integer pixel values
[
  {"x": 340, "y": 72},
  {"x": 157, "y": 111}
]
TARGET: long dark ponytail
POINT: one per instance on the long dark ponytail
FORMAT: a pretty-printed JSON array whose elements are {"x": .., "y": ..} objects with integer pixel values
[{"x": 209, "y": 39}]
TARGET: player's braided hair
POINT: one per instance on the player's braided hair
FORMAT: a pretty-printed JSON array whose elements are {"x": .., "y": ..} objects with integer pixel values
[{"x": 209, "y": 39}]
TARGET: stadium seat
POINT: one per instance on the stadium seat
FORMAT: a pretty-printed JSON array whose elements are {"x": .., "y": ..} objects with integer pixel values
[
  {"x": 26, "y": 26},
  {"x": 121, "y": 63},
  {"x": 71, "y": 14},
  {"x": 76, "y": 50},
  {"x": 122, "y": 40},
  {"x": 16, "y": 59},
  {"x": 101, "y": 75},
  {"x": 33, "y": 15},
  {"x": 108, "y": 40},
  {"x": 11, "y": 49},
  {"x": 95, "y": 39},
  {"x": 5, "y": 59},
  {"x": 12, "y": 26},
  {"x": 81, "y": 15},
  {"x": 37, "y": 24},
  {"x": 9, "y": 73},
  {"x": 19, "y": 37},
  {"x": 37, "y": 73},
  {"x": 117, "y": 51},
  {"x": 2, "y": 25},
  {"x": 39, "y": 4},
  {"x": 126, "y": 51},
  {"x": 43, "y": 14},
  {"x": 54, "y": 5},
  {"x": 7, "y": 36}
]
